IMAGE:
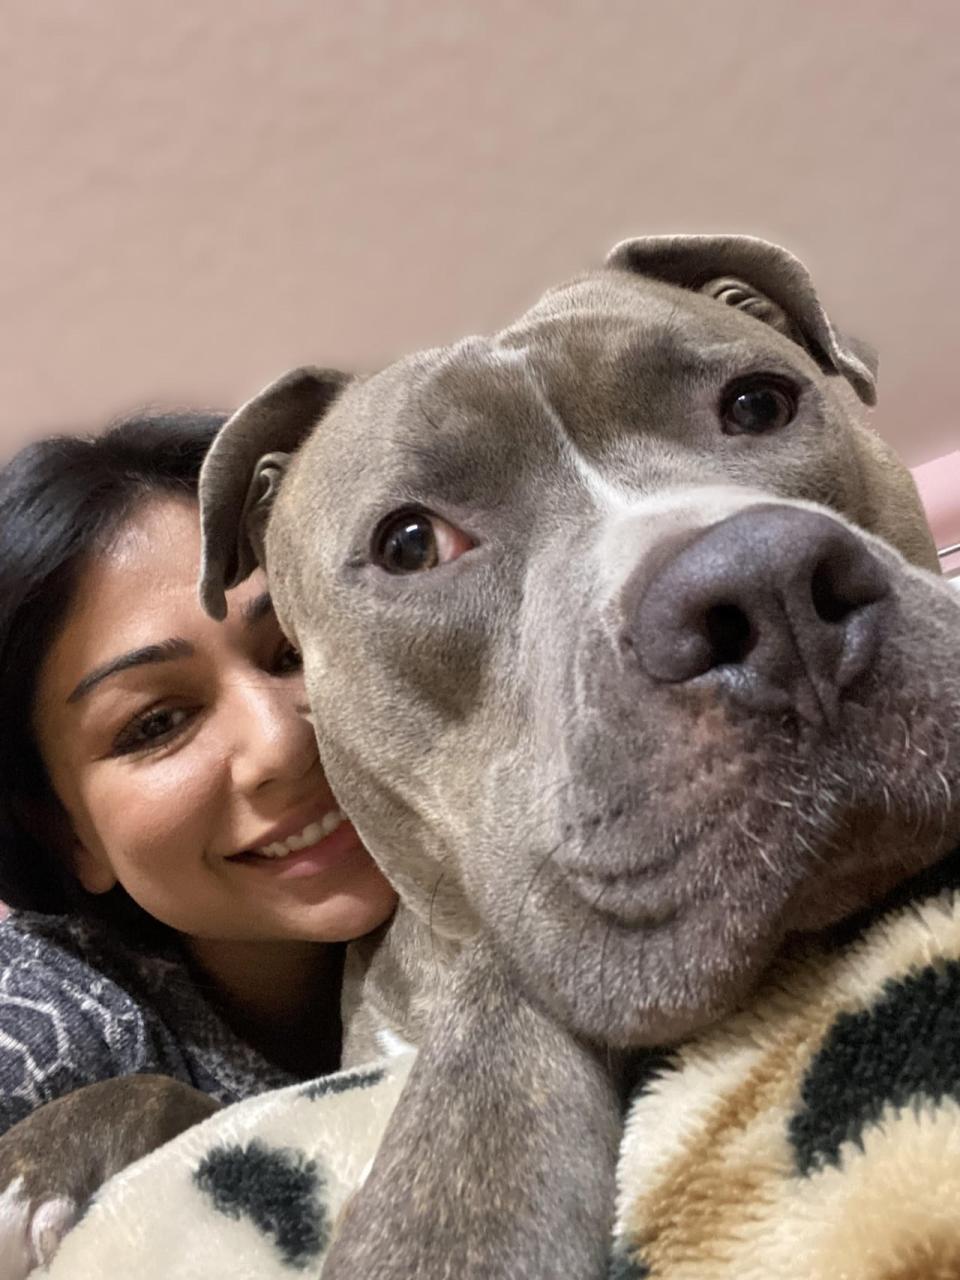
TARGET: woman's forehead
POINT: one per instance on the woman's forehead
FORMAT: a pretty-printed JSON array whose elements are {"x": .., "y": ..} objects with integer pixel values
[
  {"x": 164, "y": 531},
  {"x": 158, "y": 547},
  {"x": 139, "y": 589}
]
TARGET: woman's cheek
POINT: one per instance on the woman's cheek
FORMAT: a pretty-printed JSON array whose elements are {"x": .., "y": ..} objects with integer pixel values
[{"x": 151, "y": 812}]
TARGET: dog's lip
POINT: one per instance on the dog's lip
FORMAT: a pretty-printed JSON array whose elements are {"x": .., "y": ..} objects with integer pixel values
[
  {"x": 296, "y": 820},
  {"x": 636, "y": 894},
  {"x": 628, "y": 898},
  {"x": 595, "y": 867},
  {"x": 619, "y": 872}
]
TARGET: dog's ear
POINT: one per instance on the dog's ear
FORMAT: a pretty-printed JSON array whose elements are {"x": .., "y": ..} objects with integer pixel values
[
  {"x": 242, "y": 472},
  {"x": 761, "y": 279}
]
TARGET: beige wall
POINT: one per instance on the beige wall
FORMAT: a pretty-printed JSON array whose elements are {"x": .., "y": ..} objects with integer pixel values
[{"x": 194, "y": 196}]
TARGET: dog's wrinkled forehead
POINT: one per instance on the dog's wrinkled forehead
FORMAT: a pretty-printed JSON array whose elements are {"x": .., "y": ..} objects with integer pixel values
[
  {"x": 599, "y": 357},
  {"x": 441, "y": 428}
]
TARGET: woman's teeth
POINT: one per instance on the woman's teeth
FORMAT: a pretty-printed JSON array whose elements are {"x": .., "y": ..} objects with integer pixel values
[{"x": 313, "y": 833}]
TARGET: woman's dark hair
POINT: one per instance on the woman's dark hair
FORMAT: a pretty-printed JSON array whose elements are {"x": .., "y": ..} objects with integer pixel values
[{"x": 61, "y": 500}]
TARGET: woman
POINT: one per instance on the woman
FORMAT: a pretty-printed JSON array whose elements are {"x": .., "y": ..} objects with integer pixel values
[{"x": 181, "y": 879}]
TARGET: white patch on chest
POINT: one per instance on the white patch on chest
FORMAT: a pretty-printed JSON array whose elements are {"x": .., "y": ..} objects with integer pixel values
[{"x": 390, "y": 1044}]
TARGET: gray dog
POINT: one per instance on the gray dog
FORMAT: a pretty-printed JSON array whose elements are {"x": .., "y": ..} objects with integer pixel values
[{"x": 625, "y": 659}]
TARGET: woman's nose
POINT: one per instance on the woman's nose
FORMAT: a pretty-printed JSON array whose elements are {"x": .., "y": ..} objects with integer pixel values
[{"x": 272, "y": 739}]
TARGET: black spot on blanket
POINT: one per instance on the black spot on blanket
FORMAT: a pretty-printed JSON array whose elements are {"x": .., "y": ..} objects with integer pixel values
[
  {"x": 277, "y": 1189},
  {"x": 646, "y": 1067},
  {"x": 342, "y": 1083},
  {"x": 905, "y": 1047}
]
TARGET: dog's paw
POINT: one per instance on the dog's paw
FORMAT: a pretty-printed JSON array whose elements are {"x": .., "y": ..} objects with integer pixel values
[
  {"x": 30, "y": 1236},
  {"x": 51, "y": 1221}
]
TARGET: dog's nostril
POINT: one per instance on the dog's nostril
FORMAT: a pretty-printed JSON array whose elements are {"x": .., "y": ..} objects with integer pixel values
[
  {"x": 831, "y": 602},
  {"x": 730, "y": 634}
]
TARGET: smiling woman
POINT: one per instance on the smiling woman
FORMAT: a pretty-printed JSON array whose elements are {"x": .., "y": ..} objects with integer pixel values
[{"x": 181, "y": 876}]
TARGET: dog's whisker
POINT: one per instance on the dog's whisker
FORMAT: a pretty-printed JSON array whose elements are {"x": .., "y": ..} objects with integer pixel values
[
  {"x": 941, "y": 777},
  {"x": 759, "y": 844},
  {"x": 430, "y": 928},
  {"x": 605, "y": 1004},
  {"x": 533, "y": 879},
  {"x": 584, "y": 922}
]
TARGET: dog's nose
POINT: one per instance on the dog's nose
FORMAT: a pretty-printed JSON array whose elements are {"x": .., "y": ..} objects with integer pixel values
[{"x": 780, "y": 606}]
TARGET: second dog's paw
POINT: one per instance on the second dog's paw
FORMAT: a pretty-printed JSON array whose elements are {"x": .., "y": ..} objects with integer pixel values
[
  {"x": 30, "y": 1236},
  {"x": 51, "y": 1221}
]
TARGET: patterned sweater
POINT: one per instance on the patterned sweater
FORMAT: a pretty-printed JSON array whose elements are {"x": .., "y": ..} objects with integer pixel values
[{"x": 77, "y": 1006}]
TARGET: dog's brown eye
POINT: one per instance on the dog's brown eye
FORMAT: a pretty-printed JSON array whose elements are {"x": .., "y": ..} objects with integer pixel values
[
  {"x": 414, "y": 541},
  {"x": 408, "y": 545},
  {"x": 757, "y": 406}
]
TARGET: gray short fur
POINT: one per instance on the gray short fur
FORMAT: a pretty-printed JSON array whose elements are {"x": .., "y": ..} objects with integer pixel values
[{"x": 506, "y": 764}]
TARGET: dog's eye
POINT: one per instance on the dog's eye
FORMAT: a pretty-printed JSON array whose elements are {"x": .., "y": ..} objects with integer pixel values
[
  {"x": 757, "y": 405},
  {"x": 412, "y": 541}
]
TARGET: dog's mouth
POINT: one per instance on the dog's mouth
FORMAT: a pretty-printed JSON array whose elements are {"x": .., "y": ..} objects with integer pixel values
[
  {"x": 616, "y": 878},
  {"x": 627, "y": 900},
  {"x": 804, "y": 875},
  {"x": 705, "y": 837}
]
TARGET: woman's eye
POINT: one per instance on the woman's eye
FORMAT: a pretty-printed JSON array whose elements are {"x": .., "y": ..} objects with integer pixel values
[
  {"x": 288, "y": 660},
  {"x": 412, "y": 541},
  {"x": 150, "y": 730},
  {"x": 757, "y": 405}
]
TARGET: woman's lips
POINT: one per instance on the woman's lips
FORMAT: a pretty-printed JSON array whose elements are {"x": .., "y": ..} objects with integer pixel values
[
  {"x": 295, "y": 823},
  {"x": 327, "y": 853}
]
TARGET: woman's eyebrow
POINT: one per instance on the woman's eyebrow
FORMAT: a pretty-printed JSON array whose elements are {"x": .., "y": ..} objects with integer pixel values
[
  {"x": 165, "y": 651},
  {"x": 256, "y": 608}
]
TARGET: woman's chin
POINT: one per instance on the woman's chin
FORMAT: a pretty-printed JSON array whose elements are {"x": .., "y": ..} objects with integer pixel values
[{"x": 348, "y": 913}]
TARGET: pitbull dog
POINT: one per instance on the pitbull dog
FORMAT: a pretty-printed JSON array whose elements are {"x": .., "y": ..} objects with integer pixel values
[{"x": 627, "y": 657}]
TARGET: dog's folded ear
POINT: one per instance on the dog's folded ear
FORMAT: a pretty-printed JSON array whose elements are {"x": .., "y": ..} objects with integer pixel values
[
  {"x": 242, "y": 472},
  {"x": 763, "y": 280}
]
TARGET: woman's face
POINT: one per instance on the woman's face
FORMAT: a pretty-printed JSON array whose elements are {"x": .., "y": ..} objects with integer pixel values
[{"x": 179, "y": 750}]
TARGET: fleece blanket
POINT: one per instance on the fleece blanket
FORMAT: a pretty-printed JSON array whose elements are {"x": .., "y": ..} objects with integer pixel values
[{"x": 814, "y": 1135}]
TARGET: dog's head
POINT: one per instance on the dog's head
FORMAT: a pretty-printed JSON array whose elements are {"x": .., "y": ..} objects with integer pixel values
[{"x": 619, "y": 629}]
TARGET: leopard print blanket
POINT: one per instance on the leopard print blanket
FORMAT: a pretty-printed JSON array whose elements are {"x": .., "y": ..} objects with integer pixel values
[{"x": 815, "y": 1135}]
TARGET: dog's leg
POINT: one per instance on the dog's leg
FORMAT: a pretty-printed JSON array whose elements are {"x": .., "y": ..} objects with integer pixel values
[{"x": 499, "y": 1160}]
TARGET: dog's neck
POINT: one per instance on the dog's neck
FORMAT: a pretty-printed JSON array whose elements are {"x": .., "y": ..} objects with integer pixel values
[{"x": 389, "y": 990}]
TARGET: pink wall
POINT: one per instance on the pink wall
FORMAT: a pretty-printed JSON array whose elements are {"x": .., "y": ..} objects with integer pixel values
[
  {"x": 196, "y": 196},
  {"x": 939, "y": 485}
]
